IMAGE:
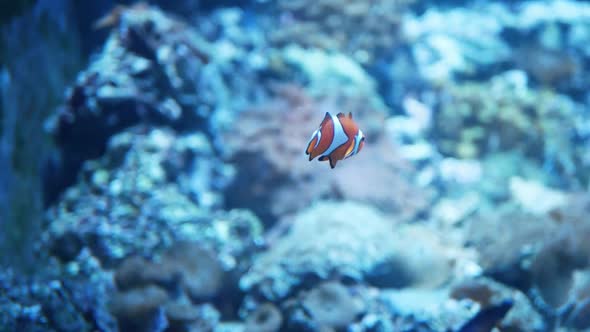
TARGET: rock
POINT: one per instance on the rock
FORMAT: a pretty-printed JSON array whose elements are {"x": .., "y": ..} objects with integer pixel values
[
  {"x": 110, "y": 216},
  {"x": 431, "y": 308},
  {"x": 139, "y": 304},
  {"x": 331, "y": 305},
  {"x": 335, "y": 26},
  {"x": 326, "y": 70},
  {"x": 534, "y": 197},
  {"x": 540, "y": 254},
  {"x": 266, "y": 318},
  {"x": 138, "y": 272},
  {"x": 200, "y": 271},
  {"x": 451, "y": 211},
  {"x": 141, "y": 76},
  {"x": 369, "y": 246},
  {"x": 442, "y": 50},
  {"x": 52, "y": 300},
  {"x": 521, "y": 317},
  {"x": 192, "y": 318},
  {"x": 504, "y": 115}
]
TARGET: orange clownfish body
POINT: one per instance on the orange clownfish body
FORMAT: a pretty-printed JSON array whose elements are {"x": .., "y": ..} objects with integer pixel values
[{"x": 337, "y": 138}]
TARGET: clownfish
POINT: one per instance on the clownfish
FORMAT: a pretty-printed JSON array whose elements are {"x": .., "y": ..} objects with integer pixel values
[{"x": 337, "y": 138}]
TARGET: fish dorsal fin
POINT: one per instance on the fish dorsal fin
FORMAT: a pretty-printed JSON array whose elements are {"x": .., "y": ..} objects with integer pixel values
[
  {"x": 350, "y": 115},
  {"x": 340, "y": 115},
  {"x": 327, "y": 118}
]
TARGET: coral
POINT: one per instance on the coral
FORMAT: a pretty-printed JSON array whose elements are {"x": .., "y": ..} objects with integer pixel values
[
  {"x": 527, "y": 234},
  {"x": 545, "y": 40},
  {"x": 164, "y": 291},
  {"x": 365, "y": 248},
  {"x": 553, "y": 268},
  {"x": 424, "y": 310},
  {"x": 54, "y": 299},
  {"x": 200, "y": 271},
  {"x": 474, "y": 120},
  {"x": 486, "y": 292},
  {"x": 273, "y": 136},
  {"x": 186, "y": 317},
  {"x": 266, "y": 318},
  {"x": 331, "y": 305},
  {"x": 579, "y": 299},
  {"x": 138, "y": 309},
  {"x": 116, "y": 211},
  {"x": 136, "y": 271},
  {"x": 327, "y": 71},
  {"x": 150, "y": 70},
  {"x": 442, "y": 48},
  {"x": 365, "y": 30},
  {"x": 540, "y": 254}
]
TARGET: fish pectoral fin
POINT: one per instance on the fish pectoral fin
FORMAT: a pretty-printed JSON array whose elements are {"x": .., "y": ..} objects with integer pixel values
[{"x": 350, "y": 149}]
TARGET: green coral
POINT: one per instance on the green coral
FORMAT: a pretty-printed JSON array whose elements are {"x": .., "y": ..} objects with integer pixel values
[{"x": 475, "y": 120}]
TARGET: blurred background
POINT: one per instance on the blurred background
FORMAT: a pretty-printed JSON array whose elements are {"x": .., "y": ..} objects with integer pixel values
[{"x": 153, "y": 174}]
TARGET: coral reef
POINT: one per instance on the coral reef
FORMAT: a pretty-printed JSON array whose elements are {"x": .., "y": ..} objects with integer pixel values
[
  {"x": 266, "y": 318},
  {"x": 542, "y": 254},
  {"x": 36, "y": 42},
  {"x": 374, "y": 252},
  {"x": 334, "y": 25},
  {"x": 168, "y": 292},
  {"x": 486, "y": 292},
  {"x": 272, "y": 137},
  {"x": 116, "y": 211},
  {"x": 179, "y": 197},
  {"x": 150, "y": 70},
  {"x": 474, "y": 120},
  {"x": 331, "y": 305},
  {"x": 56, "y": 300},
  {"x": 543, "y": 39}
]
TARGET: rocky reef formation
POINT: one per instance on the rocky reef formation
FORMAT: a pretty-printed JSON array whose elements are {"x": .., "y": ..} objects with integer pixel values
[
  {"x": 180, "y": 198},
  {"x": 334, "y": 25},
  {"x": 130, "y": 202},
  {"x": 474, "y": 121},
  {"x": 137, "y": 78},
  {"x": 270, "y": 136}
]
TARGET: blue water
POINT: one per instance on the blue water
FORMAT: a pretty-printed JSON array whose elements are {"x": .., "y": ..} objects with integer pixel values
[{"x": 331, "y": 165}]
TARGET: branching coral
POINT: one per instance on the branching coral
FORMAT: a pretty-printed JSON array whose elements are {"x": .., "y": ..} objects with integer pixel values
[{"x": 364, "y": 29}]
